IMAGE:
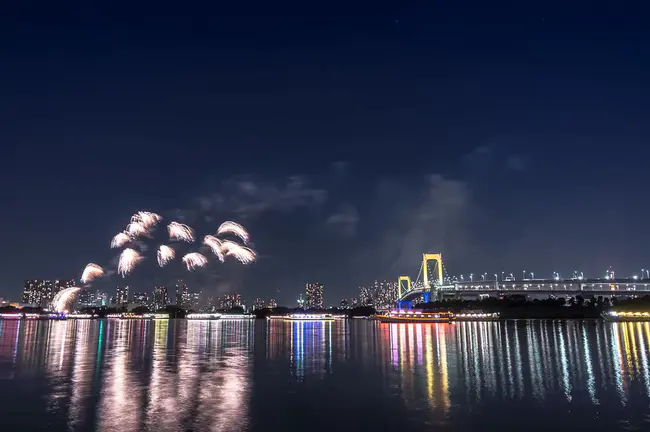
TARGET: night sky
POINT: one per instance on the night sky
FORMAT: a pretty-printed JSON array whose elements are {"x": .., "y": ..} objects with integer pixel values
[{"x": 348, "y": 137}]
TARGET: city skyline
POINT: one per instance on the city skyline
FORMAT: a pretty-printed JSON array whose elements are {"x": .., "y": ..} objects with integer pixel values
[
  {"x": 505, "y": 139},
  {"x": 379, "y": 293}
]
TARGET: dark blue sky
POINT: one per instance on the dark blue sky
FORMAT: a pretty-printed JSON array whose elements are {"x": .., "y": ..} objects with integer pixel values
[{"x": 348, "y": 137}]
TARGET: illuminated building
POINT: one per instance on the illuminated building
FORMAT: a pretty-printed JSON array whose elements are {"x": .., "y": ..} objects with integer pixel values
[
  {"x": 86, "y": 298},
  {"x": 230, "y": 300},
  {"x": 273, "y": 304},
  {"x": 354, "y": 302},
  {"x": 182, "y": 295},
  {"x": 258, "y": 304},
  {"x": 301, "y": 302},
  {"x": 160, "y": 297},
  {"x": 41, "y": 292},
  {"x": 344, "y": 304},
  {"x": 101, "y": 299},
  {"x": 141, "y": 299},
  {"x": 122, "y": 295},
  {"x": 314, "y": 295},
  {"x": 381, "y": 294},
  {"x": 195, "y": 301}
]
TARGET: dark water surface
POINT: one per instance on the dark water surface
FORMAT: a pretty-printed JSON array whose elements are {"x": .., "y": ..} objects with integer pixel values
[{"x": 120, "y": 375}]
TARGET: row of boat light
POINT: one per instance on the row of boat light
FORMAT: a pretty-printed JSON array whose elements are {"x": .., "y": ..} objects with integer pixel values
[
  {"x": 630, "y": 314},
  {"x": 477, "y": 315}
]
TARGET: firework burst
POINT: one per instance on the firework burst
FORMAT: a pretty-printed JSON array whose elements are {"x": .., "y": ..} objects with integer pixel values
[
  {"x": 63, "y": 298},
  {"x": 165, "y": 255},
  {"x": 136, "y": 229},
  {"x": 120, "y": 240},
  {"x": 91, "y": 272},
  {"x": 234, "y": 228},
  {"x": 129, "y": 258},
  {"x": 216, "y": 245},
  {"x": 146, "y": 219},
  {"x": 241, "y": 253},
  {"x": 194, "y": 260},
  {"x": 179, "y": 231}
]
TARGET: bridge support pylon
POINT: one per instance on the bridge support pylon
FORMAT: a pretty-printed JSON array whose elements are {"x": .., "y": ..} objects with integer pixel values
[
  {"x": 437, "y": 258},
  {"x": 405, "y": 305}
]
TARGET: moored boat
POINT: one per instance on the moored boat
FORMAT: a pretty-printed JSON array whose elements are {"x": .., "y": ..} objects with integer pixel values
[
  {"x": 626, "y": 316},
  {"x": 310, "y": 317},
  {"x": 399, "y": 316}
]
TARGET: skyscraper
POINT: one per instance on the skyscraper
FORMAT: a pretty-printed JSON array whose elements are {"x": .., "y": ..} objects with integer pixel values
[
  {"x": 314, "y": 295},
  {"x": 182, "y": 295},
  {"x": 230, "y": 300},
  {"x": 381, "y": 294},
  {"x": 160, "y": 297},
  {"x": 195, "y": 301},
  {"x": 258, "y": 304},
  {"x": 41, "y": 292},
  {"x": 141, "y": 299},
  {"x": 86, "y": 298},
  {"x": 122, "y": 295},
  {"x": 101, "y": 299}
]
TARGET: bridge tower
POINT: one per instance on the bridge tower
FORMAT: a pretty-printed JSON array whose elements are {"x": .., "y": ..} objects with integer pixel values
[
  {"x": 403, "y": 285},
  {"x": 437, "y": 273}
]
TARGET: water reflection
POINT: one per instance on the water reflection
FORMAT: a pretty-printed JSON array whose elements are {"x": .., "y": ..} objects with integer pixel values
[
  {"x": 173, "y": 375},
  {"x": 310, "y": 346}
]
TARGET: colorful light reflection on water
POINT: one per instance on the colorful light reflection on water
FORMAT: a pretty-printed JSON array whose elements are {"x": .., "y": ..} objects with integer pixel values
[{"x": 169, "y": 375}]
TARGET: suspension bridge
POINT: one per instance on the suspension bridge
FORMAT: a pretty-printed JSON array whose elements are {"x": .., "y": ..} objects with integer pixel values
[{"x": 430, "y": 285}]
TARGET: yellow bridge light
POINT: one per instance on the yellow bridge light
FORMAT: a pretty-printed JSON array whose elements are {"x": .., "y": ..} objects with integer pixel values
[
  {"x": 425, "y": 260},
  {"x": 407, "y": 288}
]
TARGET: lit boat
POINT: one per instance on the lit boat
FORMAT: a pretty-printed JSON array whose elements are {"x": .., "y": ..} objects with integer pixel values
[
  {"x": 626, "y": 316},
  {"x": 310, "y": 317},
  {"x": 416, "y": 317},
  {"x": 203, "y": 316}
]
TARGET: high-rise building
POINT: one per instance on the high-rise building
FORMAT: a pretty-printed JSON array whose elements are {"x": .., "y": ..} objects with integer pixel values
[
  {"x": 86, "y": 298},
  {"x": 122, "y": 295},
  {"x": 258, "y": 304},
  {"x": 101, "y": 299},
  {"x": 314, "y": 295},
  {"x": 381, "y": 294},
  {"x": 195, "y": 301},
  {"x": 182, "y": 295},
  {"x": 41, "y": 292},
  {"x": 160, "y": 297},
  {"x": 230, "y": 300},
  {"x": 344, "y": 304},
  {"x": 62, "y": 284},
  {"x": 273, "y": 304},
  {"x": 141, "y": 299}
]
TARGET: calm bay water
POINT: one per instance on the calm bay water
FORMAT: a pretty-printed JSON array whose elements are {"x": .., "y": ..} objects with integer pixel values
[{"x": 119, "y": 375}]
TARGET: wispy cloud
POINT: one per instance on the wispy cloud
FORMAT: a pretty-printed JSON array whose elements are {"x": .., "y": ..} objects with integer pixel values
[
  {"x": 248, "y": 197},
  {"x": 344, "y": 221}
]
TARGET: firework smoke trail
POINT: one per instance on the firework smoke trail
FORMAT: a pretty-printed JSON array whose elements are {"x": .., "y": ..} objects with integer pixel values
[
  {"x": 241, "y": 253},
  {"x": 165, "y": 254},
  {"x": 136, "y": 229},
  {"x": 63, "y": 298},
  {"x": 91, "y": 272},
  {"x": 234, "y": 228},
  {"x": 120, "y": 240},
  {"x": 215, "y": 244},
  {"x": 128, "y": 260},
  {"x": 179, "y": 231},
  {"x": 194, "y": 260},
  {"x": 146, "y": 219}
]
